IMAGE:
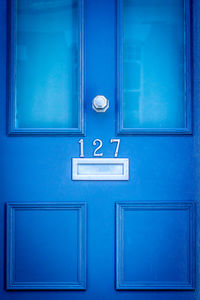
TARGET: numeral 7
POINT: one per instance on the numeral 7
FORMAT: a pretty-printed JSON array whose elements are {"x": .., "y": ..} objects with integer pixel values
[{"x": 117, "y": 146}]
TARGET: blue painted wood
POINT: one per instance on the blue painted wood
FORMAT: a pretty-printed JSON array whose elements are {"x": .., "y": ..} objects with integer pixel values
[
  {"x": 121, "y": 130},
  {"x": 36, "y": 169},
  {"x": 46, "y": 246},
  {"x": 155, "y": 246},
  {"x": 12, "y": 73}
]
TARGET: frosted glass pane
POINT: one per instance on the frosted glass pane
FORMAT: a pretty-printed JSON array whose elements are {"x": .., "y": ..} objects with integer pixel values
[
  {"x": 47, "y": 64},
  {"x": 153, "y": 64}
]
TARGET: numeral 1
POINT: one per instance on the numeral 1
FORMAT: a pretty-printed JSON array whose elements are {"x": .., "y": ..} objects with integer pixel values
[{"x": 81, "y": 148}]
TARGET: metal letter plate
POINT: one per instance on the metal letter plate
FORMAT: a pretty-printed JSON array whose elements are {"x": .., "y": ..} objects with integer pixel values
[{"x": 100, "y": 169}]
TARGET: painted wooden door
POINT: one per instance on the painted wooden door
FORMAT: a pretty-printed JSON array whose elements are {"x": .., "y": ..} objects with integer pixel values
[{"x": 99, "y": 196}]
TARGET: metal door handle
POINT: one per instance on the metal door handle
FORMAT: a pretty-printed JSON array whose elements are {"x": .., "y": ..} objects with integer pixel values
[{"x": 100, "y": 103}]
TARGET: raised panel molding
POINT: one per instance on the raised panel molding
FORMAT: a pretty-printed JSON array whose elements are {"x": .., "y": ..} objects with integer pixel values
[
  {"x": 155, "y": 246},
  {"x": 49, "y": 121},
  {"x": 46, "y": 246},
  {"x": 124, "y": 22}
]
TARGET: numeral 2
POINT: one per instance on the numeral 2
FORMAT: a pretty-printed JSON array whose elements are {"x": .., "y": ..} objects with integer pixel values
[{"x": 99, "y": 147}]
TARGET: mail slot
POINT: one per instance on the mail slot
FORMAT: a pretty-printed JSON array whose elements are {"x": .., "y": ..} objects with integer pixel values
[{"x": 100, "y": 169}]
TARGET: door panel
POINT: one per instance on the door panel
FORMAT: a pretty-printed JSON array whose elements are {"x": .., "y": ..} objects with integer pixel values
[
  {"x": 157, "y": 239},
  {"x": 46, "y": 246},
  {"x": 46, "y": 56},
  {"x": 140, "y": 232},
  {"x": 153, "y": 55}
]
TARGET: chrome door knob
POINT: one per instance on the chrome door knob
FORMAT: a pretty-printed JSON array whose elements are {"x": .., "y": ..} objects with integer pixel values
[{"x": 100, "y": 103}]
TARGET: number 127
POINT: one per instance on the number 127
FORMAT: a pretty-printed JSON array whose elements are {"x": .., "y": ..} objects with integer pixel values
[{"x": 97, "y": 142}]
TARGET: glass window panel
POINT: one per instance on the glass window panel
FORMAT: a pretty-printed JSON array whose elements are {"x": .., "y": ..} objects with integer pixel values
[
  {"x": 47, "y": 64},
  {"x": 153, "y": 64}
]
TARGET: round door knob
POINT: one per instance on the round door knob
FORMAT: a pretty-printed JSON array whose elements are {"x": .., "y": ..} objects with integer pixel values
[{"x": 100, "y": 103}]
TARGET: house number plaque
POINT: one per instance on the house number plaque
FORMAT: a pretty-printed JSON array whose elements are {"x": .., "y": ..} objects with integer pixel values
[{"x": 99, "y": 168}]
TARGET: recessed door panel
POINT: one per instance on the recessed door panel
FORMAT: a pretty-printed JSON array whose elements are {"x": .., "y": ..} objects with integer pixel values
[
  {"x": 46, "y": 246},
  {"x": 144, "y": 228}
]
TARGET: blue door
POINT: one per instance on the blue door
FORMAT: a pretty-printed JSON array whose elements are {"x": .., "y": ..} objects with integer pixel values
[{"x": 99, "y": 149}]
